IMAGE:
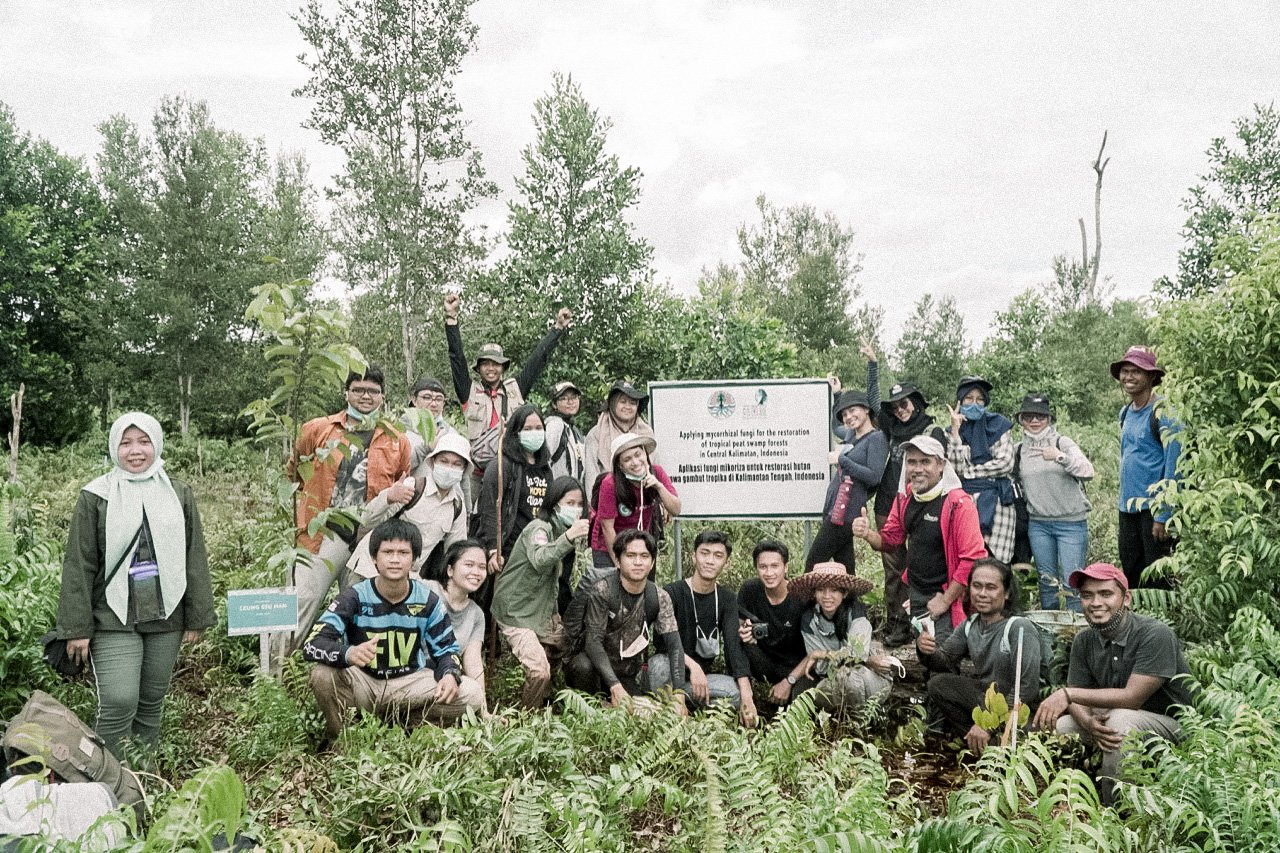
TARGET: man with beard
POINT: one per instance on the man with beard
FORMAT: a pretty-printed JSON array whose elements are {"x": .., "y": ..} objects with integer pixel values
[{"x": 1127, "y": 674}]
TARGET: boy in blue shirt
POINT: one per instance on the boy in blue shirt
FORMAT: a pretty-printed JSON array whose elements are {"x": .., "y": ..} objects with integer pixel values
[
  {"x": 386, "y": 644},
  {"x": 1149, "y": 452}
]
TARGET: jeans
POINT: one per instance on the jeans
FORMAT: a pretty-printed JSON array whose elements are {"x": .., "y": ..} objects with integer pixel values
[
  {"x": 1059, "y": 549},
  {"x": 131, "y": 672},
  {"x": 719, "y": 685}
]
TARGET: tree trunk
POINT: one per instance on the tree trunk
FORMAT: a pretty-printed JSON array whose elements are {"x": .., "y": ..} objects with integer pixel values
[
  {"x": 184, "y": 402},
  {"x": 1099, "y": 165},
  {"x": 15, "y": 408}
]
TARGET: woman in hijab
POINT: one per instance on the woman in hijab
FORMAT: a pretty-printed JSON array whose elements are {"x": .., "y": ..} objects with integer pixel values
[
  {"x": 135, "y": 582},
  {"x": 980, "y": 446},
  {"x": 622, "y": 414}
]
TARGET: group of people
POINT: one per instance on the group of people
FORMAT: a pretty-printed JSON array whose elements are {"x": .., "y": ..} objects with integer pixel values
[{"x": 441, "y": 541}]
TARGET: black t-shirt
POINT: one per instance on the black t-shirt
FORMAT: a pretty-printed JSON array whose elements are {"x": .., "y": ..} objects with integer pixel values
[
  {"x": 782, "y": 641},
  {"x": 535, "y": 489},
  {"x": 926, "y": 557}
]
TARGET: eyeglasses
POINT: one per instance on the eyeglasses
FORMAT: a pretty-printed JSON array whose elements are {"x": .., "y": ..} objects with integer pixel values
[
  {"x": 365, "y": 392},
  {"x": 430, "y": 398},
  {"x": 1034, "y": 416},
  {"x": 904, "y": 403}
]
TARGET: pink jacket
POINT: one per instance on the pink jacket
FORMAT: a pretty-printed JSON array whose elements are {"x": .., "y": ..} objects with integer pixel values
[{"x": 961, "y": 539}]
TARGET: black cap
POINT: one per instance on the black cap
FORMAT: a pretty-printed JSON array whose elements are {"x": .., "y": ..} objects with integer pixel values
[
  {"x": 968, "y": 382},
  {"x": 623, "y": 386},
  {"x": 848, "y": 399},
  {"x": 1035, "y": 404},
  {"x": 426, "y": 383}
]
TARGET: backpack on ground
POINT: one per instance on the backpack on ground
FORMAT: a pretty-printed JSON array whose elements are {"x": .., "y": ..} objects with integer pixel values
[
  {"x": 1045, "y": 637},
  {"x": 48, "y": 732},
  {"x": 575, "y": 615}
]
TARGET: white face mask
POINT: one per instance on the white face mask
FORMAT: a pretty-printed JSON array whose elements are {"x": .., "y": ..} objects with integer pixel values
[
  {"x": 446, "y": 477},
  {"x": 568, "y": 514}
]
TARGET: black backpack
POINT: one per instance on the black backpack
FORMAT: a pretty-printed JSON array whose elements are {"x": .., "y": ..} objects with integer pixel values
[
  {"x": 575, "y": 615},
  {"x": 1154, "y": 421}
]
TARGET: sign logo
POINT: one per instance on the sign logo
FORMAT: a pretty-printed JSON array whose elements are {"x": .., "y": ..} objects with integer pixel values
[
  {"x": 762, "y": 396},
  {"x": 721, "y": 404}
]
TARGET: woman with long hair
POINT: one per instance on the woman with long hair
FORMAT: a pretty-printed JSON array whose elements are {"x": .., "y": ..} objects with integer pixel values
[
  {"x": 635, "y": 494},
  {"x": 526, "y": 596},
  {"x": 515, "y": 484},
  {"x": 465, "y": 573},
  {"x": 135, "y": 582}
]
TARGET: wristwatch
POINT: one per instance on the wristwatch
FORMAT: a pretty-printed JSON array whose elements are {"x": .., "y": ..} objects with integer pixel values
[{"x": 791, "y": 679}]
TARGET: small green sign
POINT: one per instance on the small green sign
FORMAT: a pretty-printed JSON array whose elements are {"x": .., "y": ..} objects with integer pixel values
[{"x": 262, "y": 611}]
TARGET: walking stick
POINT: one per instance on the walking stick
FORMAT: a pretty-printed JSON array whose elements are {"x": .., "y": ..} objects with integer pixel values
[{"x": 1011, "y": 727}]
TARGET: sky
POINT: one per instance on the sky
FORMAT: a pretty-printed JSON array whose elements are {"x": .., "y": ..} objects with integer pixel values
[{"x": 955, "y": 139}]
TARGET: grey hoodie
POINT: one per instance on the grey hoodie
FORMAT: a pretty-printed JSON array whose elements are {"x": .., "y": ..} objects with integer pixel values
[{"x": 1054, "y": 490}]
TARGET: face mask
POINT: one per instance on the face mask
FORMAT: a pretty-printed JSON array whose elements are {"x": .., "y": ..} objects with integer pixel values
[
  {"x": 446, "y": 477},
  {"x": 973, "y": 411},
  {"x": 533, "y": 439},
  {"x": 568, "y": 514},
  {"x": 636, "y": 478},
  {"x": 357, "y": 415}
]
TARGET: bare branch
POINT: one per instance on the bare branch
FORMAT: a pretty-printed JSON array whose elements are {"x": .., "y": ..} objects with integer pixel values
[{"x": 1099, "y": 166}]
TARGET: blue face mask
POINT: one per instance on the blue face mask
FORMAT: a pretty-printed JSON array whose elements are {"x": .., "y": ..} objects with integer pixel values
[
  {"x": 533, "y": 439},
  {"x": 357, "y": 415},
  {"x": 973, "y": 411},
  {"x": 568, "y": 514}
]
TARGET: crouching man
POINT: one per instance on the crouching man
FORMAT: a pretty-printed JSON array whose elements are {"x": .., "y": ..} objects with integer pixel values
[
  {"x": 386, "y": 644},
  {"x": 1124, "y": 674},
  {"x": 615, "y": 620}
]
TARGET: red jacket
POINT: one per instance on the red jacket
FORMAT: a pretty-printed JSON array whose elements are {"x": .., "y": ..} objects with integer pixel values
[
  {"x": 388, "y": 455},
  {"x": 961, "y": 539}
]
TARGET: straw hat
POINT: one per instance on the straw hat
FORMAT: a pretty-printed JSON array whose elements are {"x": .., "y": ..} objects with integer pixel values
[
  {"x": 830, "y": 574},
  {"x": 628, "y": 440}
]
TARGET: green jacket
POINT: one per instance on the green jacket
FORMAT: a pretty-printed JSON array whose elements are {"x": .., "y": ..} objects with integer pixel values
[
  {"x": 82, "y": 603},
  {"x": 526, "y": 592}
]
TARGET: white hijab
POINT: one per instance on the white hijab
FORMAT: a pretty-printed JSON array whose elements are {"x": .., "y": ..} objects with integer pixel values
[{"x": 129, "y": 497}]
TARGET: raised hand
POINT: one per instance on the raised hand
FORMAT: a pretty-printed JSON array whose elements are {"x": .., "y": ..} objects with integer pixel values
[
  {"x": 867, "y": 350},
  {"x": 861, "y": 525},
  {"x": 956, "y": 417},
  {"x": 452, "y": 304},
  {"x": 564, "y": 318}
]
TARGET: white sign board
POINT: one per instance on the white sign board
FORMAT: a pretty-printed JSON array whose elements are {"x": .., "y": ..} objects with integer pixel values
[{"x": 745, "y": 449}]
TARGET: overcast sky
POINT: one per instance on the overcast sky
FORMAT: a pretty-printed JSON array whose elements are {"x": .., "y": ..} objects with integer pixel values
[{"x": 954, "y": 138}]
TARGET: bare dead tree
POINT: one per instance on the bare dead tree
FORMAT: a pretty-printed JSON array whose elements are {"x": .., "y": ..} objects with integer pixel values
[{"x": 15, "y": 409}]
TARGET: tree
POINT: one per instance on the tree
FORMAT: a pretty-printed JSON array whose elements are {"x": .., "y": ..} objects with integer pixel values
[
  {"x": 382, "y": 80},
  {"x": 51, "y": 265},
  {"x": 570, "y": 243},
  {"x": 1241, "y": 186},
  {"x": 932, "y": 349},
  {"x": 801, "y": 264},
  {"x": 1223, "y": 360},
  {"x": 195, "y": 211}
]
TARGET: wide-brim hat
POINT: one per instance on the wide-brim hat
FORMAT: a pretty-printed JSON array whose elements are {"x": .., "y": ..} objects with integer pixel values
[
  {"x": 967, "y": 382},
  {"x": 622, "y": 386},
  {"x": 1142, "y": 358},
  {"x": 849, "y": 399},
  {"x": 830, "y": 574},
  {"x": 628, "y": 440},
  {"x": 452, "y": 442},
  {"x": 899, "y": 392},
  {"x": 491, "y": 352},
  {"x": 561, "y": 388},
  {"x": 1035, "y": 404}
]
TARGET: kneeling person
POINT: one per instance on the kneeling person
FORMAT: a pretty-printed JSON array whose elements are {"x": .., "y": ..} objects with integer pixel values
[
  {"x": 769, "y": 623},
  {"x": 1124, "y": 674},
  {"x": 840, "y": 654},
  {"x": 619, "y": 617},
  {"x": 707, "y": 615},
  {"x": 989, "y": 638},
  {"x": 386, "y": 644}
]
